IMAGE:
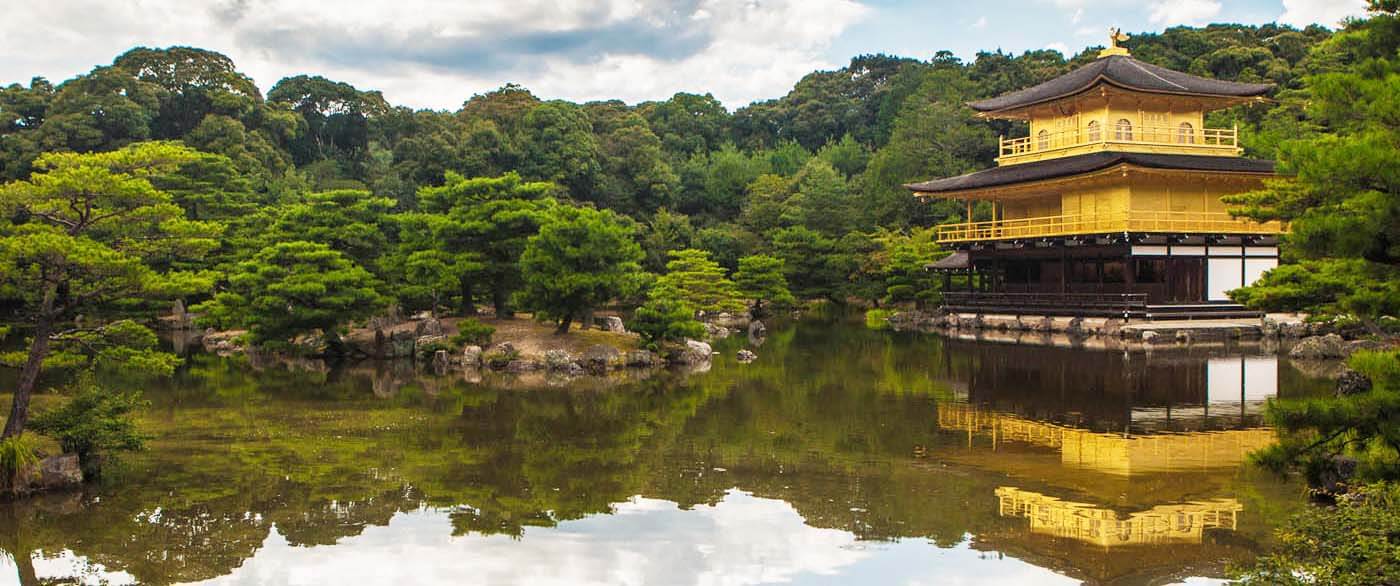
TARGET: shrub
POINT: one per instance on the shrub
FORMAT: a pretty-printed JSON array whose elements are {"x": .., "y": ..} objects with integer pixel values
[
  {"x": 93, "y": 423},
  {"x": 16, "y": 453},
  {"x": 665, "y": 320},
  {"x": 878, "y": 319},
  {"x": 1352, "y": 543},
  {"x": 471, "y": 332}
]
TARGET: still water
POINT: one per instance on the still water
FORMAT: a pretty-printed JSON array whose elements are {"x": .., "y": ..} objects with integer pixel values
[{"x": 841, "y": 456}]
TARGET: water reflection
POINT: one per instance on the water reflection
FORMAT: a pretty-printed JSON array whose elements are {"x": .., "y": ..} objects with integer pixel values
[{"x": 841, "y": 455}]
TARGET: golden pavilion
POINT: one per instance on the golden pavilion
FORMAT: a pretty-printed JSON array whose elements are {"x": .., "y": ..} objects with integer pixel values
[{"x": 1111, "y": 204}]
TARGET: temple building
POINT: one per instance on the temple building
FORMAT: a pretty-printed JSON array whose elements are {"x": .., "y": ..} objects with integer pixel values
[{"x": 1111, "y": 205}]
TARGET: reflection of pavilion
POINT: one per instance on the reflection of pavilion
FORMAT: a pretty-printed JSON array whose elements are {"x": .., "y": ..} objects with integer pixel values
[
  {"x": 1110, "y": 453},
  {"x": 1173, "y": 523}
]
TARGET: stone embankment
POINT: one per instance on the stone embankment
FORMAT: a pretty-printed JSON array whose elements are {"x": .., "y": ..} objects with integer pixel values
[
  {"x": 519, "y": 346},
  {"x": 1308, "y": 340}
]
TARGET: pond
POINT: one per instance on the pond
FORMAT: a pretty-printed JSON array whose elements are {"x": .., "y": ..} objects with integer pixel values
[{"x": 842, "y": 455}]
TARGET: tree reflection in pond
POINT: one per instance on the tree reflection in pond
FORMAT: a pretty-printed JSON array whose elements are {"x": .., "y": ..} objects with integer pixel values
[{"x": 880, "y": 455}]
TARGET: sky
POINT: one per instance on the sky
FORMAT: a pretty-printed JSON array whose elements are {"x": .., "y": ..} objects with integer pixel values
[{"x": 437, "y": 53}]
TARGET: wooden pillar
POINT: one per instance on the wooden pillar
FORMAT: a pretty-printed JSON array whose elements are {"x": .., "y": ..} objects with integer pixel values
[{"x": 1064, "y": 269}]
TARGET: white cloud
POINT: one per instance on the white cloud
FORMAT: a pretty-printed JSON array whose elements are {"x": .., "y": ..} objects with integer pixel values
[
  {"x": 980, "y": 24},
  {"x": 1301, "y": 13},
  {"x": 437, "y": 53},
  {"x": 1061, "y": 47},
  {"x": 1077, "y": 16},
  {"x": 1174, "y": 12}
]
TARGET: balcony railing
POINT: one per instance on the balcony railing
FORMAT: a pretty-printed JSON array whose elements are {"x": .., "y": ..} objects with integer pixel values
[
  {"x": 1175, "y": 137},
  {"x": 1132, "y": 221}
]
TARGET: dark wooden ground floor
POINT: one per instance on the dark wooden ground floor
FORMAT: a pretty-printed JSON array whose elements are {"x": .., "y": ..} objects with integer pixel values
[{"x": 1133, "y": 276}]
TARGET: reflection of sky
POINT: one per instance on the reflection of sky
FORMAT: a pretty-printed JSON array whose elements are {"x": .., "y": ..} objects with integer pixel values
[{"x": 741, "y": 540}]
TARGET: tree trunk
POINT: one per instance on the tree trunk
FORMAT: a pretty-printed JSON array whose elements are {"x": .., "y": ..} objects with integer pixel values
[
  {"x": 587, "y": 319},
  {"x": 29, "y": 374},
  {"x": 564, "y": 325},
  {"x": 468, "y": 308},
  {"x": 500, "y": 298}
]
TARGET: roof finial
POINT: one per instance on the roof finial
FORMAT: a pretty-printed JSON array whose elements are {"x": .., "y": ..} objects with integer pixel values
[{"x": 1115, "y": 36}]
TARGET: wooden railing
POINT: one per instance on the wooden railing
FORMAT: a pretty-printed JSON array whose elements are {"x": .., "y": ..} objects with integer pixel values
[
  {"x": 1124, "y": 304},
  {"x": 1205, "y": 138},
  {"x": 1132, "y": 221}
]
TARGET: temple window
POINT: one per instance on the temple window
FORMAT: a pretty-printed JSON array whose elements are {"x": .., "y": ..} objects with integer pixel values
[
  {"x": 1094, "y": 134},
  {"x": 1042, "y": 140},
  {"x": 1123, "y": 130},
  {"x": 1186, "y": 134}
]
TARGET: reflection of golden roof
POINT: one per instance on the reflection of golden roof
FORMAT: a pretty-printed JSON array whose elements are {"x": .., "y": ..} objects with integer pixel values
[
  {"x": 1174, "y": 523},
  {"x": 1111, "y": 453}
]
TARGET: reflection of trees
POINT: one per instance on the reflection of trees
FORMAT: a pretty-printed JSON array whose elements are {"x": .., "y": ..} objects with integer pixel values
[{"x": 841, "y": 422}]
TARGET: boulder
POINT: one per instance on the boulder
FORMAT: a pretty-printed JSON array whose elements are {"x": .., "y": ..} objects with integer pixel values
[
  {"x": 420, "y": 316},
  {"x": 757, "y": 329},
  {"x": 519, "y": 366},
  {"x": 1352, "y": 383},
  {"x": 746, "y": 356},
  {"x": 610, "y": 323},
  {"x": 640, "y": 359},
  {"x": 399, "y": 344},
  {"x": 314, "y": 343},
  {"x": 441, "y": 361},
  {"x": 601, "y": 357},
  {"x": 1149, "y": 336},
  {"x": 1334, "y": 474},
  {"x": 471, "y": 356},
  {"x": 558, "y": 359},
  {"x": 696, "y": 352},
  {"x": 716, "y": 332},
  {"x": 1330, "y": 346},
  {"x": 731, "y": 321},
  {"x": 501, "y": 355},
  {"x": 58, "y": 472},
  {"x": 429, "y": 326},
  {"x": 1356, "y": 345},
  {"x": 1183, "y": 336},
  {"x": 381, "y": 322}
]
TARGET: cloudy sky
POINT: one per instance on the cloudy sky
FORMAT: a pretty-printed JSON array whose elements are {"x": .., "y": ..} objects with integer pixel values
[{"x": 436, "y": 53}]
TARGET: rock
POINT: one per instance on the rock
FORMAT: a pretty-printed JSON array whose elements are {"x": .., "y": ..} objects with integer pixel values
[
  {"x": 696, "y": 352},
  {"x": 640, "y": 359},
  {"x": 471, "y": 356},
  {"x": 746, "y": 356},
  {"x": 1330, "y": 346},
  {"x": 1356, "y": 345},
  {"x": 1113, "y": 327},
  {"x": 610, "y": 323},
  {"x": 399, "y": 344},
  {"x": 420, "y": 316},
  {"x": 558, "y": 360},
  {"x": 314, "y": 343},
  {"x": 58, "y": 472},
  {"x": 500, "y": 356},
  {"x": 733, "y": 322},
  {"x": 600, "y": 357},
  {"x": 381, "y": 322},
  {"x": 1149, "y": 335},
  {"x": 1352, "y": 383},
  {"x": 757, "y": 329},
  {"x": 1076, "y": 326},
  {"x": 572, "y": 369},
  {"x": 429, "y": 326},
  {"x": 1183, "y": 337},
  {"x": 1334, "y": 474},
  {"x": 441, "y": 361},
  {"x": 522, "y": 366},
  {"x": 716, "y": 332},
  {"x": 1046, "y": 324}
]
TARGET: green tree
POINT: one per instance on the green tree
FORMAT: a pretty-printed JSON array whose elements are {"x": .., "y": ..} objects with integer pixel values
[
  {"x": 760, "y": 278},
  {"x": 579, "y": 260},
  {"x": 492, "y": 217},
  {"x": 93, "y": 239},
  {"x": 1350, "y": 544},
  {"x": 559, "y": 146},
  {"x": 292, "y": 288},
  {"x": 814, "y": 264},
  {"x": 1342, "y": 200},
  {"x": 692, "y": 278},
  {"x": 1321, "y": 436},
  {"x": 350, "y": 221},
  {"x": 666, "y": 232}
]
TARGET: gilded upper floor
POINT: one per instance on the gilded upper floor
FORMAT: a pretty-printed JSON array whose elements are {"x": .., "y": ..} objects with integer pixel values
[{"x": 1118, "y": 103}]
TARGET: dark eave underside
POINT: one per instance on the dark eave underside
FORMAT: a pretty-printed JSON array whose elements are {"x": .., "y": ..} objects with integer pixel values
[
  {"x": 1080, "y": 164},
  {"x": 1125, "y": 72}
]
